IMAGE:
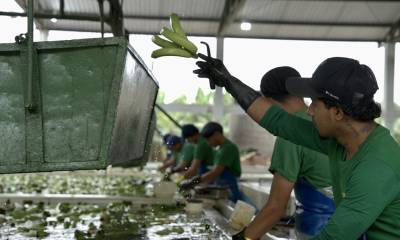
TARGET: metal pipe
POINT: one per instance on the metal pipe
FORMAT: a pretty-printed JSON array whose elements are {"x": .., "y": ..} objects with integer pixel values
[
  {"x": 158, "y": 132},
  {"x": 30, "y": 105},
  {"x": 62, "y": 7},
  {"x": 101, "y": 8},
  {"x": 168, "y": 116}
]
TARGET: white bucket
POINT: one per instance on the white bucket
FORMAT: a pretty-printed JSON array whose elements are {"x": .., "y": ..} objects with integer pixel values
[
  {"x": 194, "y": 207},
  {"x": 242, "y": 215},
  {"x": 165, "y": 189}
]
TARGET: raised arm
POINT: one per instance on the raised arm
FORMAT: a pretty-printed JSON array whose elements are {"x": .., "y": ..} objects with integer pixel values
[
  {"x": 215, "y": 70},
  {"x": 294, "y": 129}
]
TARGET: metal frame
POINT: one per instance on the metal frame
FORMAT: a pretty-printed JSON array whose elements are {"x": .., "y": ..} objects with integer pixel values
[{"x": 231, "y": 10}]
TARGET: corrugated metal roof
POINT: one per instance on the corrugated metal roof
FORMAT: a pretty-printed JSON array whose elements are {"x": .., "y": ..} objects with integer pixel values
[
  {"x": 185, "y": 8},
  {"x": 285, "y": 19},
  {"x": 322, "y": 11}
]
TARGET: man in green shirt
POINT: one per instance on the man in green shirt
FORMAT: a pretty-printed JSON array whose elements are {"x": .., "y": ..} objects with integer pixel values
[
  {"x": 184, "y": 158},
  {"x": 203, "y": 156},
  {"x": 364, "y": 157},
  {"x": 182, "y": 154},
  {"x": 186, "y": 155},
  {"x": 294, "y": 167},
  {"x": 226, "y": 162}
]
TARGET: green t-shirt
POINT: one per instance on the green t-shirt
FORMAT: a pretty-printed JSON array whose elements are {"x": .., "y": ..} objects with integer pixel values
[
  {"x": 228, "y": 155},
  {"x": 186, "y": 154},
  {"x": 293, "y": 162},
  {"x": 366, "y": 188},
  {"x": 204, "y": 152}
]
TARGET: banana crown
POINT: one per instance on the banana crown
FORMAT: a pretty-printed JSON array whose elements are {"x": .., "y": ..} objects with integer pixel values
[{"x": 175, "y": 41}]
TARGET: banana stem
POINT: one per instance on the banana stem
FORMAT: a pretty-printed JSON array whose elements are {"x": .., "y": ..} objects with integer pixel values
[
  {"x": 212, "y": 84},
  {"x": 208, "y": 48}
]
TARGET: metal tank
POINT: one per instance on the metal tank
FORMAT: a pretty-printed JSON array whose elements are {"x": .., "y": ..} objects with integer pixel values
[{"x": 85, "y": 104}]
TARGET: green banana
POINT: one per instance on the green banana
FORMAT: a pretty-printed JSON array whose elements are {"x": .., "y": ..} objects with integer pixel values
[
  {"x": 181, "y": 41},
  {"x": 176, "y": 25},
  {"x": 171, "y": 52},
  {"x": 163, "y": 43}
]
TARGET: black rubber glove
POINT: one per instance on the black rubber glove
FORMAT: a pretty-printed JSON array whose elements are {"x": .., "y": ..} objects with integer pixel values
[
  {"x": 190, "y": 183},
  {"x": 239, "y": 235},
  {"x": 215, "y": 70}
]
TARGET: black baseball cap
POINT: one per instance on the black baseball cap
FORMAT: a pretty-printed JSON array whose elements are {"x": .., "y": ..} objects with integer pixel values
[
  {"x": 342, "y": 80},
  {"x": 273, "y": 82},
  {"x": 210, "y": 128}
]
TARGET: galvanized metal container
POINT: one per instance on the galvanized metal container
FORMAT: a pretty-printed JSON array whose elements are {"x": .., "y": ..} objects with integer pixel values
[{"x": 94, "y": 101}]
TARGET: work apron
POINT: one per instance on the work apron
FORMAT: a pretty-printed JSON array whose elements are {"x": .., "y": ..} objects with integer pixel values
[
  {"x": 313, "y": 209},
  {"x": 227, "y": 178},
  {"x": 203, "y": 169}
]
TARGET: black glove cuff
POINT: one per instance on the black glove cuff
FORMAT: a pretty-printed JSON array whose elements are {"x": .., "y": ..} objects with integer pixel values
[
  {"x": 239, "y": 235},
  {"x": 243, "y": 94}
]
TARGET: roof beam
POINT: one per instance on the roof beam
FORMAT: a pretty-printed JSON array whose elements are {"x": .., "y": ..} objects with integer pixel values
[
  {"x": 346, "y": 39},
  {"x": 93, "y": 17},
  {"x": 36, "y": 8},
  {"x": 116, "y": 18},
  {"x": 231, "y": 9},
  {"x": 394, "y": 33},
  {"x": 58, "y": 16},
  {"x": 96, "y": 18},
  {"x": 62, "y": 7},
  {"x": 308, "y": 23}
]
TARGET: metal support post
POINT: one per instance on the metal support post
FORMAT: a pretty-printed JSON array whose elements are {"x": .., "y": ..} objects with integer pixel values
[
  {"x": 101, "y": 8},
  {"x": 30, "y": 105},
  {"x": 44, "y": 35},
  {"x": 388, "y": 102},
  {"x": 218, "y": 109}
]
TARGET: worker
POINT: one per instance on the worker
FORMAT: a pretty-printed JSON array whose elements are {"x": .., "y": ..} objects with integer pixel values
[
  {"x": 364, "y": 157},
  {"x": 226, "y": 168},
  {"x": 168, "y": 158},
  {"x": 188, "y": 132},
  {"x": 203, "y": 158},
  {"x": 181, "y": 152},
  {"x": 294, "y": 167},
  {"x": 164, "y": 140}
]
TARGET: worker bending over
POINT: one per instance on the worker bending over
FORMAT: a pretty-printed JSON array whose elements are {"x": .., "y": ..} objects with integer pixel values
[
  {"x": 294, "y": 167},
  {"x": 203, "y": 157},
  {"x": 182, "y": 153},
  {"x": 226, "y": 168}
]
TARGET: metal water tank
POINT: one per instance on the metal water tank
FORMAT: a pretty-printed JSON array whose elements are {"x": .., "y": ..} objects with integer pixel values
[{"x": 94, "y": 101}]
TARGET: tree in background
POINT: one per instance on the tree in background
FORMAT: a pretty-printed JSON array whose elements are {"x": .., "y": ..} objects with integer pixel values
[{"x": 198, "y": 119}]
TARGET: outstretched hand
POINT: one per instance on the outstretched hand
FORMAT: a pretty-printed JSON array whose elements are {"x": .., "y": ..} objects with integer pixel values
[
  {"x": 213, "y": 69},
  {"x": 190, "y": 183}
]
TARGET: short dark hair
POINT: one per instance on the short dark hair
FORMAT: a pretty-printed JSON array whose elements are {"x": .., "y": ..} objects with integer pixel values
[
  {"x": 189, "y": 130},
  {"x": 365, "y": 110},
  {"x": 210, "y": 128}
]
